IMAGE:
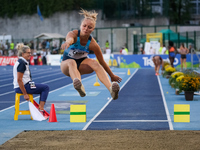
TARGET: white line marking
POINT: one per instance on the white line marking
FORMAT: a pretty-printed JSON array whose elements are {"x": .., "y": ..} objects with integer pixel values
[
  {"x": 130, "y": 121},
  {"x": 34, "y": 79},
  {"x": 119, "y": 72},
  {"x": 87, "y": 125},
  {"x": 6, "y": 101},
  {"x": 13, "y": 106},
  {"x": 54, "y": 79},
  {"x": 7, "y": 93},
  {"x": 33, "y": 73},
  {"x": 6, "y": 84},
  {"x": 165, "y": 104}
]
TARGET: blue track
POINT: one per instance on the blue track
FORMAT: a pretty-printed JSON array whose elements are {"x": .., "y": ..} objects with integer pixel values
[{"x": 145, "y": 103}]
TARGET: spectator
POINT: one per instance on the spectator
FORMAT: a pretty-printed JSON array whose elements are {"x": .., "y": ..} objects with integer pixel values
[
  {"x": 3, "y": 47},
  {"x": 35, "y": 57},
  {"x": 124, "y": 51},
  {"x": 47, "y": 45},
  {"x": 15, "y": 50},
  {"x": 164, "y": 50},
  {"x": 1, "y": 52},
  {"x": 55, "y": 47},
  {"x": 43, "y": 55},
  {"x": 54, "y": 44},
  {"x": 142, "y": 51},
  {"x": 172, "y": 51},
  {"x": 151, "y": 50},
  {"x": 22, "y": 78},
  {"x": 40, "y": 46},
  {"x": 76, "y": 63},
  {"x": 11, "y": 51},
  {"x": 32, "y": 47},
  {"x": 120, "y": 51},
  {"x": 107, "y": 44},
  {"x": 183, "y": 51},
  {"x": 1, "y": 44},
  {"x": 43, "y": 45},
  {"x": 63, "y": 41},
  {"x": 7, "y": 48},
  {"x": 108, "y": 50},
  {"x": 160, "y": 49},
  {"x": 191, "y": 49}
]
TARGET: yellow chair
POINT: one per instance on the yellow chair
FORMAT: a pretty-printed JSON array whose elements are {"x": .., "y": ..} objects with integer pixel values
[{"x": 21, "y": 112}]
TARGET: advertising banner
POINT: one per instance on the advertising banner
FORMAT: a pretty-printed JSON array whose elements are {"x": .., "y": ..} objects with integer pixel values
[
  {"x": 122, "y": 61},
  {"x": 145, "y": 61},
  {"x": 5, "y": 60}
]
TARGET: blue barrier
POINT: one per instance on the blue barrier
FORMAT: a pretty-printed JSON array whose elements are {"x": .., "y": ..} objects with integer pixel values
[
  {"x": 145, "y": 61},
  {"x": 131, "y": 61}
]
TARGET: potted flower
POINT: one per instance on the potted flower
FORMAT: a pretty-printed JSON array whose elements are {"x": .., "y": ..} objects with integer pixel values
[
  {"x": 189, "y": 84},
  {"x": 177, "y": 83},
  {"x": 168, "y": 71},
  {"x": 174, "y": 76},
  {"x": 165, "y": 63}
]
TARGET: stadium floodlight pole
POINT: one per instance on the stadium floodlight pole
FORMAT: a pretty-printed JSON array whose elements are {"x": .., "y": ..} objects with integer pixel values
[
  {"x": 127, "y": 37},
  {"x": 134, "y": 41},
  {"x": 191, "y": 54},
  {"x": 112, "y": 40}
]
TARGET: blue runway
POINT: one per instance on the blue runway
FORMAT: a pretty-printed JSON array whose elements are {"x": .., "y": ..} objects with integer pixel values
[
  {"x": 143, "y": 103},
  {"x": 140, "y": 103}
]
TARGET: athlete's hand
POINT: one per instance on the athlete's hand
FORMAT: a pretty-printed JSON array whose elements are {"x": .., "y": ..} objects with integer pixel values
[
  {"x": 26, "y": 97},
  {"x": 68, "y": 42},
  {"x": 116, "y": 78},
  {"x": 65, "y": 45}
]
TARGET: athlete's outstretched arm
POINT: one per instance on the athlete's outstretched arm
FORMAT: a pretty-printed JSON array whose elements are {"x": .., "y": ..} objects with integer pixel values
[{"x": 71, "y": 37}]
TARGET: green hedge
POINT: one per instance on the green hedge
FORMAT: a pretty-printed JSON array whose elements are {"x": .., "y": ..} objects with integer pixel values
[{"x": 10, "y": 8}]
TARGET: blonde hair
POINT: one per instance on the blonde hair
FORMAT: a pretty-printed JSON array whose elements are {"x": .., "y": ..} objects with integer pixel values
[
  {"x": 21, "y": 48},
  {"x": 89, "y": 15}
]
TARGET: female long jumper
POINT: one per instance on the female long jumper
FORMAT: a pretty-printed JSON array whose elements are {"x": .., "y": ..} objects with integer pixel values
[{"x": 76, "y": 63}]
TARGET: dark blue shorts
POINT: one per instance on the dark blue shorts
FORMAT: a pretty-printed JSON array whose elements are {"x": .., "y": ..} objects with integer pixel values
[
  {"x": 41, "y": 89},
  {"x": 183, "y": 56},
  {"x": 78, "y": 61},
  {"x": 172, "y": 54}
]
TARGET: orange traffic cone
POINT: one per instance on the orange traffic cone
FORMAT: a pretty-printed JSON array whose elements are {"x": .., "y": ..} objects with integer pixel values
[{"x": 52, "y": 117}]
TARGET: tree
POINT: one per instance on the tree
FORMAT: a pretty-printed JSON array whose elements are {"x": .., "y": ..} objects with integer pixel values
[{"x": 179, "y": 11}]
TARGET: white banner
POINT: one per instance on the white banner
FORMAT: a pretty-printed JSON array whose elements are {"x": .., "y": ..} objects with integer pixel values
[{"x": 55, "y": 60}]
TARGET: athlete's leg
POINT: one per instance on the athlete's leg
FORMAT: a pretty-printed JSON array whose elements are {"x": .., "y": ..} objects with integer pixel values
[
  {"x": 181, "y": 64},
  {"x": 184, "y": 61},
  {"x": 89, "y": 65},
  {"x": 157, "y": 61},
  {"x": 158, "y": 67},
  {"x": 154, "y": 61},
  {"x": 172, "y": 61},
  {"x": 69, "y": 68}
]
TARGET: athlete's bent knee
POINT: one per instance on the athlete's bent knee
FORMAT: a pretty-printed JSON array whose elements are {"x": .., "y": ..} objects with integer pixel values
[{"x": 94, "y": 64}]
